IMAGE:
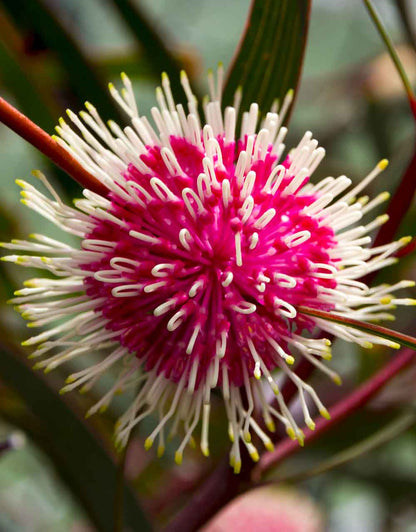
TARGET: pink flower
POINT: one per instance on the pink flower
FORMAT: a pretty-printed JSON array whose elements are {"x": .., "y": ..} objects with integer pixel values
[{"x": 193, "y": 266}]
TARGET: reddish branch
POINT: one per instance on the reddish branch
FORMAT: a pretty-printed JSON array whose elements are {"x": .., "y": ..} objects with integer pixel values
[
  {"x": 341, "y": 410},
  {"x": 36, "y": 136}
]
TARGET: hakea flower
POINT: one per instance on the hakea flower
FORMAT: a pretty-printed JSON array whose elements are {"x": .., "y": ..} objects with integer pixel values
[{"x": 193, "y": 266}]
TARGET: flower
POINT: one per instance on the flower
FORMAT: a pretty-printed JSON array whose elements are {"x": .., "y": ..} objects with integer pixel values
[{"x": 193, "y": 266}]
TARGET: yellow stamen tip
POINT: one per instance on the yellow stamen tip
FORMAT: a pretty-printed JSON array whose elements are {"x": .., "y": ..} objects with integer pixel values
[
  {"x": 404, "y": 240},
  {"x": 324, "y": 413},
  {"x": 269, "y": 445},
  {"x": 237, "y": 467},
  {"x": 395, "y": 345},
  {"x": 383, "y": 164},
  {"x": 178, "y": 457},
  {"x": 70, "y": 379},
  {"x": 271, "y": 425},
  {"x": 291, "y": 433},
  {"x": 386, "y": 300},
  {"x": 310, "y": 424},
  {"x": 160, "y": 451},
  {"x": 205, "y": 450},
  {"x": 255, "y": 456},
  {"x": 148, "y": 443},
  {"x": 290, "y": 360},
  {"x": 36, "y": 366},
  {"x": 337, "y": 379},
  {"x": 103, "y": 409},
  {"x": 247, "y": 437},
  {"x": 192, "y": 443}
]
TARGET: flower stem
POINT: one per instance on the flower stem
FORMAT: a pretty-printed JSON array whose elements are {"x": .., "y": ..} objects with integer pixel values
[
  {"x": 371, "y": 328},
  {"x": 36, "y": 136},
  {"x": 392, "y": 51},
  {"x": 340, "y": 411}
]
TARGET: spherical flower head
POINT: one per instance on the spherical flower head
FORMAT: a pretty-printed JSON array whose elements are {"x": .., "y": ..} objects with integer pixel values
[{"x": 193, "y": 266}]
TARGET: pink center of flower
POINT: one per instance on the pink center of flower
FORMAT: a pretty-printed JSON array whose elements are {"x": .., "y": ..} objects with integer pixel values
[{"x": 209, "y": 259}]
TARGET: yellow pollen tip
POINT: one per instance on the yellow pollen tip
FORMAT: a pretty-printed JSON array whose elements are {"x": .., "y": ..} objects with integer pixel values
[
  {"x": 269, "y": 445},
  {"x": 36, "y": 366},
  {"x": 383, "y": 164},
  {"x": 291, "y": 433},
  {"x": 20, "y": 182},
  {"x": 70, "y": 379},
  {"x": 25, "y": 343},
  {"x": 405, "y": 240},
  {"x": 111, "y": 86},
  {"x": 178, "y": 457},
  {"x": 311, "y": 424},
  {"x": 148, "y": 443},
  {"x": 384, "y": 196},
  {"x": 237, "y": 467},
  {"x": 324, "y": 413},
  {"x": 301, "y": 439},
  {"x": 62, "y": 391},
  {"x": 290, "y": 360},
  {"x": 383, "y": 218},
  {"x": 205, "y": 450},
  {"x": 368, "y": 345},
  {"x": 337, "y": 379},
  {"x": 232, "y": 460},
  {"x": 103, "y": 409},
  {"x": 386, "y": 300},
  {"x": 247, "y": 437},
  {"x": 160, "y": 451},
  {"x": 395, "y": 345},
  {"x": 255, "y": 456},
  {"x": 271, "y": 425},
  {"x": 192, "y": 443},
  {"x": 48, "y": 369}
]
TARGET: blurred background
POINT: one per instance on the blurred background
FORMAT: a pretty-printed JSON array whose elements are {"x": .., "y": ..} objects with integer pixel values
[{"x": 353, "y": 102}]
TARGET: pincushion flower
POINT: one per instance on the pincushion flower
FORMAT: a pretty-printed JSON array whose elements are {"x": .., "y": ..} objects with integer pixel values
[{"x": 192, "y": 268}]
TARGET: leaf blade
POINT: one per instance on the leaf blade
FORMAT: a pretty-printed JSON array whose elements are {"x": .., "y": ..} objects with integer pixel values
[{"x": 269, "y": 59}]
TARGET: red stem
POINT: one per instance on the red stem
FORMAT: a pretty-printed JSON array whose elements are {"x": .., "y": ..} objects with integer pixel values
[
  {"x": 36, "y": 136},
  {"x": 341, "y": 410}
]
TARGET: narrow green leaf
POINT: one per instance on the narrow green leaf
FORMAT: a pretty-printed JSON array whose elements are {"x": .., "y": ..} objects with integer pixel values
[
  {"x": 86, "y": 466},
  {"x": 371, "y": 328},
  {"x": 269, "y": 60}
]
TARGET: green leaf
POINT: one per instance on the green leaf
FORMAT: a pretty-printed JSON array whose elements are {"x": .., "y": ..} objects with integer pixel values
[
  {"x": 83, "y": 462},
  {"x": 269, "y": 60},
  {"x": 371, "y": 328}
]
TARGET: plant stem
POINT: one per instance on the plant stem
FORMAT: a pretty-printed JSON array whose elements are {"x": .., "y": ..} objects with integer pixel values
[
  {"x": 340, "y": 411},
  {"x": 371, "y": 328},
  {"x": 36, "y": 136},
  {"x": 390, "y": 47}
]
